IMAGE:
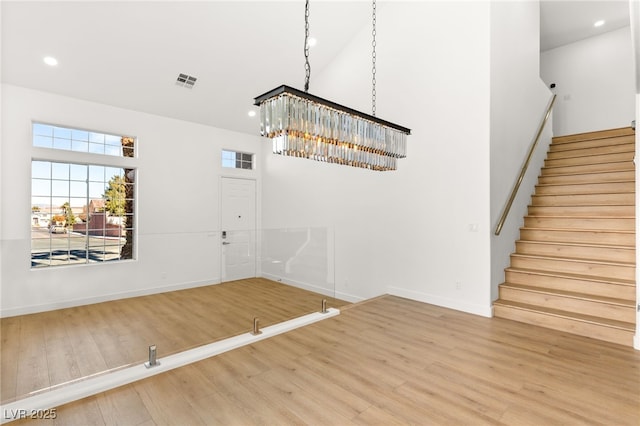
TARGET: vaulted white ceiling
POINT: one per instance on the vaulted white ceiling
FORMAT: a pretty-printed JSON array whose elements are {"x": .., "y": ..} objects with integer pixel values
[
  {"x": 129, "y": 54},
  {"x": 564, "y": 22}
]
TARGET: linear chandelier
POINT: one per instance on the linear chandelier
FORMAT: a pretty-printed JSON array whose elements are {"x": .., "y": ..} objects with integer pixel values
[{"x": 303, "y": 125}]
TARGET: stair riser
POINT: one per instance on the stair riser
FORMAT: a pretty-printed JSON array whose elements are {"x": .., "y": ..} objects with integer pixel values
[
  {"x": 596, "y": 288},
  {"x": 625, "y": 198},
  {"x": 575, "y": 267},
  {"x": 569, "y": 304},
  {"x": 591, "y": 159},
  {"x": 616, "y": 176},
  {"x": 588, "y": 168},
  {"x": 585, "y": 188},
  {"x": 609, "y": 334},
  {"x": 599, "y": 150},
  {"x": 604, "y": 254},
  {"x": 604, "y": 223},
  {"x": 582, "y": 210},
  {"x": 594, "y": 237},
  {"x": 594, "y": 143}
]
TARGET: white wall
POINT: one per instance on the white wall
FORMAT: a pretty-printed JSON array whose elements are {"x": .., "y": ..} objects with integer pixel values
[
  {"x": 424, "y": 231},
  {"x": 519, "y": 99},
  {"x": 595, "y": 83},
  {"x": 177, "y": 203},
  {"x": 405, "y": 232},
  {"x": 1, "y": 156}
]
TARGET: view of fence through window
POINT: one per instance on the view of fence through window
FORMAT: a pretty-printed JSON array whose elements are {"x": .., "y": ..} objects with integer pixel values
[{"x": 81, "y": 213}]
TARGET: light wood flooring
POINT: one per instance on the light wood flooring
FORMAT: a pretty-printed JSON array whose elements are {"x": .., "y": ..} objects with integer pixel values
[
  {"x": 50, "y": 348},
  {"x": 389, "y": 361}
]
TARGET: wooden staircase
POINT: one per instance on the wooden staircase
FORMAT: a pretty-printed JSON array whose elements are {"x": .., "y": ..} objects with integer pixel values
[{"x": 574, "y": 266}]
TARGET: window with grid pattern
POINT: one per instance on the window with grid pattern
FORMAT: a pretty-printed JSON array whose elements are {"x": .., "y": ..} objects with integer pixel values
[
  {"x": 56, "y": 137},
  {"x": 237, "y": 160},
  {"x": 81, "y": 213}
]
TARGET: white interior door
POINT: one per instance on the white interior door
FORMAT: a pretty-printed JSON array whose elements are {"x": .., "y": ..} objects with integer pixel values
[{"x": 238, "y": 236}]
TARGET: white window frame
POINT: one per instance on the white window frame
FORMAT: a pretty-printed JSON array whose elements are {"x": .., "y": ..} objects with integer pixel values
[{"x": 127, "y": 164}]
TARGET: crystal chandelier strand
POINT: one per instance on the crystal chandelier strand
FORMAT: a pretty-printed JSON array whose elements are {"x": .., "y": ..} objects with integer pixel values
[{"x": 309, "y": 129}]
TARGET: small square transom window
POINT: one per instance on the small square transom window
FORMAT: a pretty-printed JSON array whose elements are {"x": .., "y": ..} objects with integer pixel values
[{"x": 237, "y": 160}]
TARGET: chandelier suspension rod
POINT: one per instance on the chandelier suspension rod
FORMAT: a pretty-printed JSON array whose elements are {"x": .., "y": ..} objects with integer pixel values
[
  {"x": 307, "y": 66},
  {"x": 373, "y": 60}
]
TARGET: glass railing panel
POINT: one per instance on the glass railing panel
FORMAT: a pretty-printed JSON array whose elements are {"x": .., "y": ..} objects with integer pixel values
[{"x": 301, "y": 257}]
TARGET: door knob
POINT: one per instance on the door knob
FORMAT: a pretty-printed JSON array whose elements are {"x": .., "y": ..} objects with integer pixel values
[{"x": 225, "y": 243}]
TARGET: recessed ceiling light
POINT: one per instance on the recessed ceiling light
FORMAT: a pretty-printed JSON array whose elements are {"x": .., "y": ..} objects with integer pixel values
[
  {"x": 252, "y": 113},
  {"x": 598, "y": 23},
  {"x": 50, "y": 60}
]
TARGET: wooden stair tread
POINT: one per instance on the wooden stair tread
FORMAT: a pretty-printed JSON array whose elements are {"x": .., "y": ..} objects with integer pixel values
[
  {"x": 600, "y": 134},
  {"x": 571, "y": 146},
  {"x": 569, "y": 275},
  {"x": 580, "y": 221},
  {"x": 587, "y": 155},
  {"x": 574, "y": 244},
  {"x": 630, "y": 169},
  {"x": 573, "y": 295},
  {"x": 542, "y": 211},
  {"x": 620, "y": 231},
  {"x": 595, "y": 174},
  {"x": 569, "y": 315},
  {"x": 566, "y": 216},
  {"x": 609, "y": 156},
  {"x": 625, "y": 162},
  {"x": 583, "y": 206},
  {"x": 586, "y": 206},
  {"x": 546, "y": 185},
  {"x": 573, "y": 259},
  {"x": 614, "y": 141},
  {"x": 580, "y": 194}
]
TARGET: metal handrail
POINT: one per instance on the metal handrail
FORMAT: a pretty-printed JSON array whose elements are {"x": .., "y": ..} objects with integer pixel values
[{"x": 524, "y": 168}]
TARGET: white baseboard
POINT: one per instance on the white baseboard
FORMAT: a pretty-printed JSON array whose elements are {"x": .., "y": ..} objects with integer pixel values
[
  {"x": 331, "y": 292},
  {"x": 33, "y": 309},
  {"x": 636, "y": 342},
  {"x": 349, "y": 297},
  {"x": 482, "y": 310},
  {"x": 299, "y": 284},
  {"x": 91, "y": 386}
]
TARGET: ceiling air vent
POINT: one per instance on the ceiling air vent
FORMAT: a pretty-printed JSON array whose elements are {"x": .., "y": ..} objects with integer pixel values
[{"x": 185, "y": 80}]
